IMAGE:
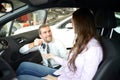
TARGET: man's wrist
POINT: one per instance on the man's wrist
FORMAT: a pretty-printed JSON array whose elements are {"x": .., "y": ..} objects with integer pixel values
[{"x": 31, "y": 45}]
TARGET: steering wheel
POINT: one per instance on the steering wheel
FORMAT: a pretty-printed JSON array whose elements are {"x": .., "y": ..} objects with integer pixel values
[{"x": 6, "y": 72}]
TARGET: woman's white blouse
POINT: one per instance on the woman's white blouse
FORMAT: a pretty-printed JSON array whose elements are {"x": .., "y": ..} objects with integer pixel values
[{"x": 87, "y": 63}]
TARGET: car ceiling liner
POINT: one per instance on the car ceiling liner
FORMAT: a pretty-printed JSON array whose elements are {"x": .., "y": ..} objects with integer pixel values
[{"x": 37, "y": 2}]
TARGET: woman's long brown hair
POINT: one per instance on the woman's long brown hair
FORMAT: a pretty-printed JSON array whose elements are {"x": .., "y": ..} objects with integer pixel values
[{"x": 84, "y": 28}]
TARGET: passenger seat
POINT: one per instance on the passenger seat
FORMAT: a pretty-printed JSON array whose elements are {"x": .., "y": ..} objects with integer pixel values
[{"x": 109, "y": 69}]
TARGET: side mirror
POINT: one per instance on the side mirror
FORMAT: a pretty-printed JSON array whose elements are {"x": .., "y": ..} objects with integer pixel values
[
  {"x": 6, "y": 7},
  {"x": 69, "y": 26}
]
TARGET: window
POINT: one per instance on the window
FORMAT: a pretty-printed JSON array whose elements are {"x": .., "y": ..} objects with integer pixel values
[{"x": 59, "y": 20}]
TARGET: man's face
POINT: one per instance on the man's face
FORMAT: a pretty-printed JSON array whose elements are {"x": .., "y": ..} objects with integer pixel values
[{"x": 46, "y": 34}]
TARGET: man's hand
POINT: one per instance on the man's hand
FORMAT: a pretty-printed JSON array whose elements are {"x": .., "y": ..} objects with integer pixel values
[{"x": 36, "y": 42}]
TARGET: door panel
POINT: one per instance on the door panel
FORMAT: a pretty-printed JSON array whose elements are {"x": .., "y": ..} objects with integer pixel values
[{"x": 11, "y": 53}]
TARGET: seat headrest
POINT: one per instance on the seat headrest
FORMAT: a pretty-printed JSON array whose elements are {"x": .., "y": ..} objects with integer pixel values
[{"x": 105, "y": 19}]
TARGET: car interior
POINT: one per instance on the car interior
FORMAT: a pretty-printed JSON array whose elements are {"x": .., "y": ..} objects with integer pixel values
[{"x": 104, "y": 12}]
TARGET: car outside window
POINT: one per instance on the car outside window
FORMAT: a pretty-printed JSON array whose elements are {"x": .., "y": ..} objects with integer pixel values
[
  {"x": 59, "y": 20},
  {"x": 117, "y": 29},
  {"x": 31, "y": 21}
]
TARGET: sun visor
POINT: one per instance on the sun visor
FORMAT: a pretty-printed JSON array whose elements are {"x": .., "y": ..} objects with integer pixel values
[{"x": 37, "y": 2}]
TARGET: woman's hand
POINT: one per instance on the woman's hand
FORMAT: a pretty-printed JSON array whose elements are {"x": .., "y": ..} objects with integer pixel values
[{"x": 50, "y": 77}]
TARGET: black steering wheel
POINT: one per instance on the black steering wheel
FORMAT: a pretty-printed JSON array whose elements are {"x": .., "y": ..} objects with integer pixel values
[{"x": 6, "y": 72}]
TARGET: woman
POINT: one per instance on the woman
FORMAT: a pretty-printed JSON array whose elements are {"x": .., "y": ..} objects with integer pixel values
[{"x": 84, "y": 57}]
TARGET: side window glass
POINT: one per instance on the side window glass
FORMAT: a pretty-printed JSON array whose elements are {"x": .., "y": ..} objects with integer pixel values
[
  {"x": 117, "y": 29},
  {"x": 60, "y": 16},
  {"x": 59, "y": 20},
  {"x": 30, "y": 20},
  {"x": 24, "y": 23}
]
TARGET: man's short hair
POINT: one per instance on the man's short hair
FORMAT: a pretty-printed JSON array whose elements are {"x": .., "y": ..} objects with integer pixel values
[{"x": 42, "y": 26}]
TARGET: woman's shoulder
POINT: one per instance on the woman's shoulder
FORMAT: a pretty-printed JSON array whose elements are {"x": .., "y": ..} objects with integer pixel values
[{"x": 93, "y": 42}]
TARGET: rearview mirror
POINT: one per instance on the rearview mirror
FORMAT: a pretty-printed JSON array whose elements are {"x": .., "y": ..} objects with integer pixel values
[{"x": 6, "y": 7}]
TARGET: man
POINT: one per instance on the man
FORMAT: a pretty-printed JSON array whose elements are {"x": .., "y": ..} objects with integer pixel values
[{"x": 47, "y": 44}]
